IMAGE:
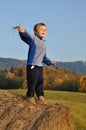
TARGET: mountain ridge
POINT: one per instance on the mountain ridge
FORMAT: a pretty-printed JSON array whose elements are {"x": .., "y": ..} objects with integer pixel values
[{"x": 75, "y": 66}]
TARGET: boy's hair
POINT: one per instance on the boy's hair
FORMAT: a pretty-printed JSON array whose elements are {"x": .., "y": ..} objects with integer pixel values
[{"x": 35, "y": 27}]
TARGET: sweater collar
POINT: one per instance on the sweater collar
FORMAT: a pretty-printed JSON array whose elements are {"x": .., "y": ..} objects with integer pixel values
[{"x": 39, "y": 37}]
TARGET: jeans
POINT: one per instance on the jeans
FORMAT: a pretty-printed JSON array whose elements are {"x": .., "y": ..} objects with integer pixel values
[{"x": 35, "y": 81}]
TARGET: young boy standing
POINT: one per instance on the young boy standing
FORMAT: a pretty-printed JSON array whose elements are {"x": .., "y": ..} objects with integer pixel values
[{"x": 36, "y": 58}]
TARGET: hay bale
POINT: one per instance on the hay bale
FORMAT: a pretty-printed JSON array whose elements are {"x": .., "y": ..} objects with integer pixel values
[{"x": 17, "y": 114}]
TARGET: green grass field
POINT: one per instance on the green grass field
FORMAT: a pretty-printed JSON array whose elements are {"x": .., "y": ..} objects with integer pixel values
[{"x": 75, "y": 100}]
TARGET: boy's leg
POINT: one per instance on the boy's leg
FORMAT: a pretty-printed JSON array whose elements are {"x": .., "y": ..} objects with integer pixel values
[
  {"x": 39, "y": 88},
  {"x": 32, "y": 79},
  {"x": 39, "y": 85}
]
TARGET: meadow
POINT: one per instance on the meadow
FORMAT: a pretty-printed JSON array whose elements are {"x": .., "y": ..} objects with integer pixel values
[{"x": 75, "y": 100}]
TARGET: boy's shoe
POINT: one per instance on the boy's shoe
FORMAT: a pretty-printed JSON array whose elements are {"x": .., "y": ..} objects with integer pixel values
[
  {"x": 31, "y": 100},
  {"x": 41, "y": 100}
]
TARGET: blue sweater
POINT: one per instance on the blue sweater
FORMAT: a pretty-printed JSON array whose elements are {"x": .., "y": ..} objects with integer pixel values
[{"x": 37, "y": 50}]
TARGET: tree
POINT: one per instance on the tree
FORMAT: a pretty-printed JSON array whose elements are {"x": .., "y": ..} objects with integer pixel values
[
  {"x": 12, "y": 69},
  {"x": 20, "y": 73}
]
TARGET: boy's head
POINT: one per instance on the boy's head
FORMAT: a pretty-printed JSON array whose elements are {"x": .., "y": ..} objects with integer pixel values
[{"x": 40, "y": 30}]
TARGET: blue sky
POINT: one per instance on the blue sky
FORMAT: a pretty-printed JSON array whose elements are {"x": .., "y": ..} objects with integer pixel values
[{"x": 66, "y": 27}]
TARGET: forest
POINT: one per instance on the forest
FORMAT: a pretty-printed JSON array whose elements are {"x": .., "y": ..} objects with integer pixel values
[{"x": 54, "y": 79}]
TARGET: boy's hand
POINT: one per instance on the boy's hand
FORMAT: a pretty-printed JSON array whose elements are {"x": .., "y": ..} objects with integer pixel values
[
  {"x": 19, "y": 28},
  {"x": 53, "y": 63}
]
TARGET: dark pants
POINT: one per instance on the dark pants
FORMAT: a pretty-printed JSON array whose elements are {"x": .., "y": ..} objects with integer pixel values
[{"x": 35, "y": 81}]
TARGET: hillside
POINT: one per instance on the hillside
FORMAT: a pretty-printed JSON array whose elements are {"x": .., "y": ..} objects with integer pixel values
[
  {"x": 54, "y": 78},
  {"x": 7, "y": 63},
  {"x": 77, "y": 66}
]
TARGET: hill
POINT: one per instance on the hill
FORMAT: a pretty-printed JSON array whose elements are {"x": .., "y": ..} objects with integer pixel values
[
  {"x": 77, "y": 66},
  {"x": 7, "y": 63}
]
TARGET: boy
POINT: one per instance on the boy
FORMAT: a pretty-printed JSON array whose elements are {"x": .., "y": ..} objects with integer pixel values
[{"x": 36, "y": 58}]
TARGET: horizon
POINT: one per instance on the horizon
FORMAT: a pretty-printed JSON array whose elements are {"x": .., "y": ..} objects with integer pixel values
[{"x": 26, "y": 59}]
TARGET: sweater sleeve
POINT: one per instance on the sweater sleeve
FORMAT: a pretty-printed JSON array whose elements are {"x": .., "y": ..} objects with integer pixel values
[
  {"x": 26, "y": 37},
  {"x": 46, "y": 60}
]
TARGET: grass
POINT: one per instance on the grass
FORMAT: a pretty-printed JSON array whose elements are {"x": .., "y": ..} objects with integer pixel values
[{"x": 75, "y": 100}]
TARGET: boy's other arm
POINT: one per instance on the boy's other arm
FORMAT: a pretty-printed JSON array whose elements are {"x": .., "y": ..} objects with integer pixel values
[
  {"x": 47, "y": 61},
  {"x": 53, "y": 63}
]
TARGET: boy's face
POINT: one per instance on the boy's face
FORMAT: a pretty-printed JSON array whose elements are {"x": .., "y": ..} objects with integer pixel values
[{"x": 41, "y": 31}]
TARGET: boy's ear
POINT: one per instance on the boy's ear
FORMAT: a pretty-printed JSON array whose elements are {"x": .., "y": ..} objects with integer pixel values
[{"x": 35, "y": 32}]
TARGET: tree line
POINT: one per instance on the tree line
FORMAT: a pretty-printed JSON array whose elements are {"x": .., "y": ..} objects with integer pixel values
[{"x": 54, "y": 79}]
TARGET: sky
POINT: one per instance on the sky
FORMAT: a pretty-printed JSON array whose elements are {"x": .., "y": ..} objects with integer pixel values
[{"x": 66, "y": 27}]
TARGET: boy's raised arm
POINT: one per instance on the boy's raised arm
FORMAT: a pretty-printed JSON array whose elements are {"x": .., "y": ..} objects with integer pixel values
[{"x": 26, "y": 37}]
